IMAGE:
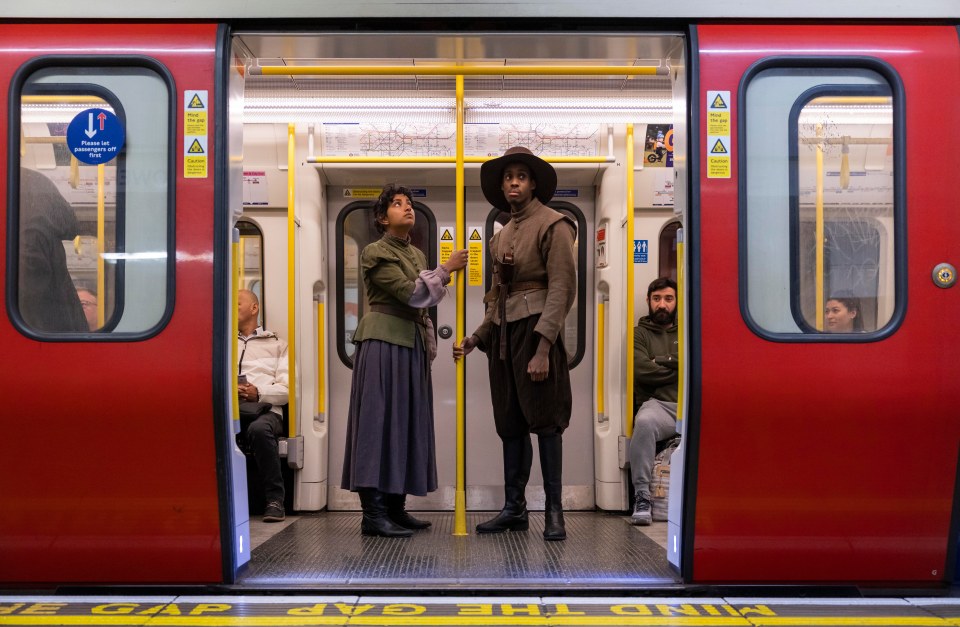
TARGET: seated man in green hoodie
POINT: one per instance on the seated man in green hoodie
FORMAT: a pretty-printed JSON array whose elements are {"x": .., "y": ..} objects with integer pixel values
[{"x": 654, "y": 389}]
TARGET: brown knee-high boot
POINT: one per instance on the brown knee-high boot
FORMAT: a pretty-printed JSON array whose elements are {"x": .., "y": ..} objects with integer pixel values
[{"x": 551, "y": 464}]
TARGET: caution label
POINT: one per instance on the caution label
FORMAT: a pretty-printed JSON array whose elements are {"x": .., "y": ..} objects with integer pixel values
[
  {"x": 447, "y": 238},
  {"x": 362, "y": 193},
  {"x": 195, "y": 106},
  {"x": 718, "y": 135},
  {"x": 195, "y": 112},
  {"x": 195, "y": 157},
  {"x": 475, "y": 260}
]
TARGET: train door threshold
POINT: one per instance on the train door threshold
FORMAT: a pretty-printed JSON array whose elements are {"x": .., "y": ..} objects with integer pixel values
[{"x": 602, "y": 551}]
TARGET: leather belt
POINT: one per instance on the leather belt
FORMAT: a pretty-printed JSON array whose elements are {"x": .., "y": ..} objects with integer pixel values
[
  {"x": 505, "y": 291},
  {"x": 407, "y": 313}
]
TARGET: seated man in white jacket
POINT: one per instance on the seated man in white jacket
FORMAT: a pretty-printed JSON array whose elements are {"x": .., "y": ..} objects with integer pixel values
[{"x": 264, "y": 377}]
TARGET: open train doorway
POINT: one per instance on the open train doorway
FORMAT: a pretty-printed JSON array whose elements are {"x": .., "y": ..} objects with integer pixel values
[{"x": 337, "y": 138}]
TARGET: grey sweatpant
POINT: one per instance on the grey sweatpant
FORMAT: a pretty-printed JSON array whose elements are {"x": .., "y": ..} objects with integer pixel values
[{"x": 655, "y": 421}]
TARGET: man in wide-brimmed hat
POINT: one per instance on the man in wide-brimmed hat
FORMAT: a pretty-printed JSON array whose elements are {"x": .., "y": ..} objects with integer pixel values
[{"x": 534, "y": 285}]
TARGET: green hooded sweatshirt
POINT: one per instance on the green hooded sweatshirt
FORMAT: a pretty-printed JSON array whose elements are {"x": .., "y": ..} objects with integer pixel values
[{"x": 654, "y": 362}]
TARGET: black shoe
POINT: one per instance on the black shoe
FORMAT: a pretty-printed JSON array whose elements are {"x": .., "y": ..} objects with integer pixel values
[
  {"x": 396, "y": 510},
  {"x": 553, "y": 527},
  {"x": 506, "y": 520},
  {"x": 273, "y": 512},
  {"x": 375, "y": 520},
  {"x": 641, "y": 511}
]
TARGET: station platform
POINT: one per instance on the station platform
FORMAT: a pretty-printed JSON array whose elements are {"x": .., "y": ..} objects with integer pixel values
[{"x": 476, "y": 611}]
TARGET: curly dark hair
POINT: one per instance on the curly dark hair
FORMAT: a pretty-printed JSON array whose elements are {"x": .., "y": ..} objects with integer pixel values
[
  {"x": 661, "y": 283},
  {"x": 383, "y": 203}
]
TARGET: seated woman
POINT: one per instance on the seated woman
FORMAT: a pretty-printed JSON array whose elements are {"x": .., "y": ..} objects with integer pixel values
[{"x": 843, "y": 314}]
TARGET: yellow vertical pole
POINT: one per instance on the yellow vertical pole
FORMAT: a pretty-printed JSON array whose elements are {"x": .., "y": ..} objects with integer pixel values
[
  {"x": 628, "y": 387},
  {"x": 819, "y": 231},
  {"x": 242, "y": 267},
  {"x": 101, "y": 246},
  {"x": 321, "y": 362},
  {"x": 292, "y": 275},
  {"x": 234, "y": 326},
  {"x": 601, "y": 356},
  {"x": 460, "y": 501},
  {"x": 681, "y": 325}
]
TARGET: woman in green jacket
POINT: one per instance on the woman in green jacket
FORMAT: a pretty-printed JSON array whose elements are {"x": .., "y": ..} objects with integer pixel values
[{"x": 390, "y": 449}]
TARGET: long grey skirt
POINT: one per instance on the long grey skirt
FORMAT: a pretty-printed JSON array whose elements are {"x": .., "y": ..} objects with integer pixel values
[{"x": 390, "y": 439}]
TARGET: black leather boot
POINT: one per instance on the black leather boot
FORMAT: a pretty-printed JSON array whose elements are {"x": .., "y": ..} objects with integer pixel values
[
  {"x": 551, "y": 463},
  {"x": 517, "y": 458},
  {"x": 375, "y": 520},
  {"x": 396, "y": 511}
]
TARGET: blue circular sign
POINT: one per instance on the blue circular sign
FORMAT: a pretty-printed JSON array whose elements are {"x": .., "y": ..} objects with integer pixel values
[{"x": 95, "y": 136}]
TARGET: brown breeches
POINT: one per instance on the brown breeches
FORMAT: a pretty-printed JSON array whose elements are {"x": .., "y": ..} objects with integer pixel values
[{"x": 520, "y": 405}]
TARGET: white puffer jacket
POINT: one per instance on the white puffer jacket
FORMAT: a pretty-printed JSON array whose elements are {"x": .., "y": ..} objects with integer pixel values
[{"x": 263, "y": 359}]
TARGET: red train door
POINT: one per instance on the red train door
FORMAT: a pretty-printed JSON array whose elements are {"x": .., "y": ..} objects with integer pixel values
[
  {"x": 828, "y": 426},
  {"x": 108, "y": 470}
]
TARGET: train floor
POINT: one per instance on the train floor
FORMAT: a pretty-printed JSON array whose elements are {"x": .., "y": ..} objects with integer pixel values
[{"x": 326, "y": 550}]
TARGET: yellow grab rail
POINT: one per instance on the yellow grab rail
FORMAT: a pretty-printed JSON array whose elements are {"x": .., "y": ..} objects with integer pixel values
[
  {"x": 451, "y": 160},
  {"x": 101, "y": 241},
  {"x": 681, "y": 325},
  {"x": 234, "y": 324},
  {"x": 460, "y": 501},
  {"x": 818, "y": 232},
  {"x": 292, "y": 277},
  {"x": 628, "y": 256},
  {"x": 459, "y": 70},
  {"x": 601, "y": 355},
  {"x": 321, "y": 361}
]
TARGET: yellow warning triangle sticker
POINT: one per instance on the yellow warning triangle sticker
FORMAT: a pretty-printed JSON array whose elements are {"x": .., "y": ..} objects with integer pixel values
[
  {"x": 475, "y": 236},
  {"x": 718, "y": 103},
  {"x": 446, "y": 235},
  {"x": 195, "y": 148},
  {"x": 196, "y": 103},
  {"x": 718, "y": 148}
]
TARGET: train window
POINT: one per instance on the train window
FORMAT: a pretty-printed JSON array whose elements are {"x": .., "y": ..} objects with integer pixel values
[
  {"x": 89, "y": 257},
  {"x": 251, "y": 264},
  {"x": 574, "y": 333},
  {"x": 355, "y": 230},
  {"x": 822, "y": 162},
  {"x": 668, "y": 250}
]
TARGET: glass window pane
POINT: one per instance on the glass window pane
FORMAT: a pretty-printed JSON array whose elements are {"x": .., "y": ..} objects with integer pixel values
[
  {"x": 845, "y": 193},
  {"x": 357, "y": 231},
  {"x": 251, "y": 273},
  {"x": 93, "y": 238}
]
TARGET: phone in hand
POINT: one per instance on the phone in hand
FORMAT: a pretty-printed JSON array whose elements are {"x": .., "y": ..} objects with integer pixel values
[{"x": 241, "y": 379}]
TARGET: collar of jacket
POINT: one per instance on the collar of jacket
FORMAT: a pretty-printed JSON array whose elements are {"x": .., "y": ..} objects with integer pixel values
[
  {"x": 258, "y": 332},
  {"x": 528, "y": 210},
  {"x": 398, "y": 242}
]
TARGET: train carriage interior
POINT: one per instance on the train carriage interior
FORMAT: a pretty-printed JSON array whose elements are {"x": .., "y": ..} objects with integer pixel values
[{"x": 567, "y": 116}]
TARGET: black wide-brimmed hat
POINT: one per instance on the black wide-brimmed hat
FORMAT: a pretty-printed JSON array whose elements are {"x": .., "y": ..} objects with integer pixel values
[{"x": 491, "y": 176}]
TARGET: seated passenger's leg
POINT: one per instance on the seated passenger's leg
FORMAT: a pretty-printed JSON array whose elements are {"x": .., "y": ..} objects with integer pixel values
[
  {"x": 262, "y": 437},
  {"x": 654, "y": 422}
]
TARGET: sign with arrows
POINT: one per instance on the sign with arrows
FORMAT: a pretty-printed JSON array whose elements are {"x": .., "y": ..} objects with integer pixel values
[{"x": 95, "y": 136}]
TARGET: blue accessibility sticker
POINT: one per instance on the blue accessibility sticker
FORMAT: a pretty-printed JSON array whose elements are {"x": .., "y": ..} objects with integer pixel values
[{"x": 95, "y": 136}]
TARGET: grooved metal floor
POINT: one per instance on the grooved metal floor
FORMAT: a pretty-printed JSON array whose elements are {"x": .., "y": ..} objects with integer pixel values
[{"x": 601, "y": 550}]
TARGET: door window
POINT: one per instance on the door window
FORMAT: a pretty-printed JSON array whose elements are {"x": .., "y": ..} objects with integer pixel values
[
  {"x": 89, "y": 256},
  {"x": 823, "y": 204}
]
